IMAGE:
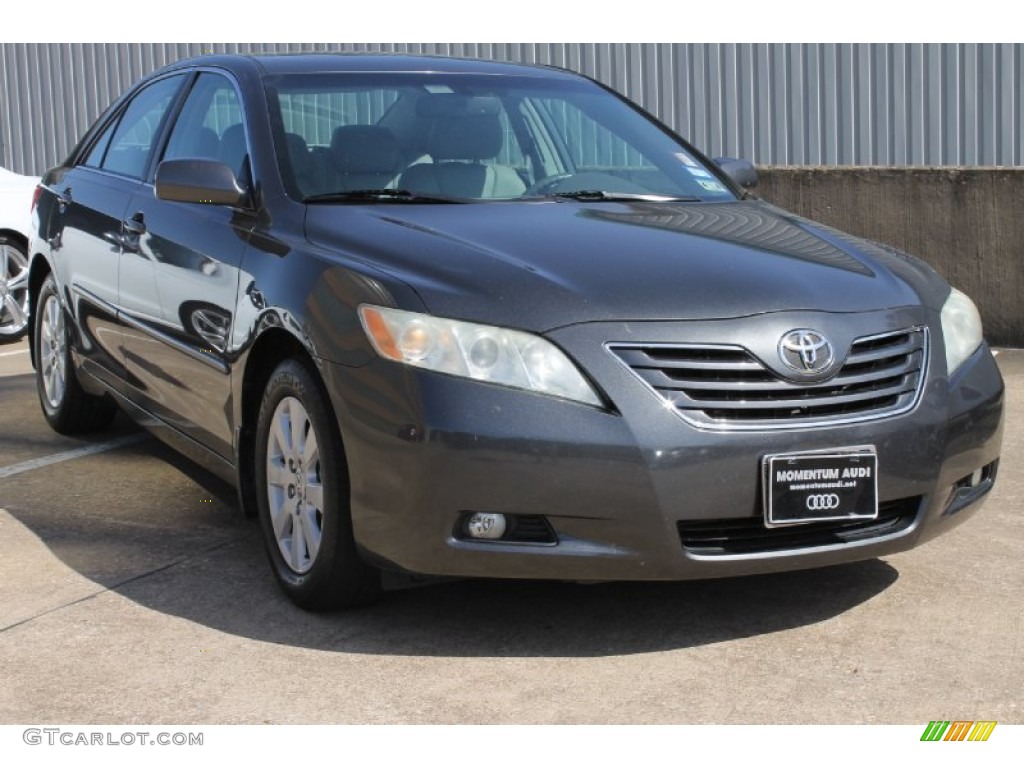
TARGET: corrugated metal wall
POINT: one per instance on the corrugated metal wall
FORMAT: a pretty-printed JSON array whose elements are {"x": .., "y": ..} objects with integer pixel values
[{"x": 776, "y": 104}]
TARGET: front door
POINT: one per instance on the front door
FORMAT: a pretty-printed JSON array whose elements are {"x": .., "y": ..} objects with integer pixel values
[{"x": 179, "y": 278}]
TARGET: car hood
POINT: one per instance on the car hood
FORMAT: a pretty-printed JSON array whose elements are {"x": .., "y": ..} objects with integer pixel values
[{"x": 544, "y": 265}]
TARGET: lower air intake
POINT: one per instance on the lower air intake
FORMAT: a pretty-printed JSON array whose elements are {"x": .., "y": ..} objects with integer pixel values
[{"x": 748, "y": 535}]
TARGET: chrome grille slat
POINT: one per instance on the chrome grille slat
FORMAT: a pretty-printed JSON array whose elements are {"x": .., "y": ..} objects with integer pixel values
[
  {"x": 727, "y": 387},
  {"x": 636, "y": 358},
  {"x": 903, "y": 364},
  {"x": 792, "y": 403},
  {"x": 880, "y": 354},
  {"x": 660, "y": 380}
]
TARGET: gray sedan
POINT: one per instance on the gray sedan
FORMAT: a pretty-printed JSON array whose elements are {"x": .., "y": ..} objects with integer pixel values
[{"x": 466, "y": 318}]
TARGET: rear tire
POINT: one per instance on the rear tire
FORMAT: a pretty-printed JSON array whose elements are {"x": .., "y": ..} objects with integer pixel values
[
  {"x": 303, "y": 496},
  {"x": 68, "y": 408}
]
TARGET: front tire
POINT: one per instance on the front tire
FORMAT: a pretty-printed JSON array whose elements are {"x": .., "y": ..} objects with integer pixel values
[
  {"x": 68, "y": 408},
  {"x": 303, "y": 496}
]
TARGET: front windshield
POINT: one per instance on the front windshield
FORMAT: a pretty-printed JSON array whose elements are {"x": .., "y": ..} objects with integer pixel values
[{"x": 474, "y": 137}]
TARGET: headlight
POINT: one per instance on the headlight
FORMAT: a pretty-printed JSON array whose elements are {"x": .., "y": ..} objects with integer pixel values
[
  {"x": 961, "y": 327},
  {"x": 481, "y": 352}
]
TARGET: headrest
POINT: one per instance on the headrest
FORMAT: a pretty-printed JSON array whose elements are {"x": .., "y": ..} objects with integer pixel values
[
  {"x": 233, "y": 134},
  {"x": 203, "y": 143},
  {"x": 232, "y": 147},
  {"x": 364, "y": 149},
  {"x": 464, "y": 127},
  {"x": 468, "y": 138},
  {"x": 298, "y": 152},
  {"x": 295, "y": 143}
]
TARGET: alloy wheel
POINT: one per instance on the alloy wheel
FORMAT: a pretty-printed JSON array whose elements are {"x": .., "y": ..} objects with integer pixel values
[
  {"x": 294, "y": 485},
  {"x": 13, "y": 291},
  {"x": 52, "y": 351}
]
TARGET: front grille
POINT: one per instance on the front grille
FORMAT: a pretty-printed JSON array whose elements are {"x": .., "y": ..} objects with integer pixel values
[
  {"x": 727, "y": 387},
  {"x": 748, "y": 535}
]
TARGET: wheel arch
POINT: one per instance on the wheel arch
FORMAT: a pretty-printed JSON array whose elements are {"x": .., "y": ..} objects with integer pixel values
[
  {"x": 18, "y": 237},
  {"x": 38, "y": 269},
  {"x": 271, "y": 348}
]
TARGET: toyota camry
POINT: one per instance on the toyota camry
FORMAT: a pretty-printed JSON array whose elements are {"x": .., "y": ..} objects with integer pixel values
[{"x": 476, "y": 319}]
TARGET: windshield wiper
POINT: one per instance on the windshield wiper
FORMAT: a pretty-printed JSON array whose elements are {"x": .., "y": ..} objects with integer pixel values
[
  {"x": 589, "y": 195},
  {"x": 362, "y": 195}
]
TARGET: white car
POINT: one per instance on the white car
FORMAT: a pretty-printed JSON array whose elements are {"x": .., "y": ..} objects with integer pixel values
[{"x": 15, "y": 220}]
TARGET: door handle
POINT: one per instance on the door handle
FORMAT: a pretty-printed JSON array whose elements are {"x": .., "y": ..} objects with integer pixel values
[{"x": 136, "y": 224}]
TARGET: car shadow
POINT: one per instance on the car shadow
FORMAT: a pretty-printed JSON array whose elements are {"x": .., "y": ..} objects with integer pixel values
[
  {"x": 214, "y": 572},
  {"x": 145, "y": 522}
]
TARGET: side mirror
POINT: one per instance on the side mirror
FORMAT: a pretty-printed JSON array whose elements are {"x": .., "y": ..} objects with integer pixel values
[
  {"x": 199, "y": 181},
  {"x": 740, "y": 171}
]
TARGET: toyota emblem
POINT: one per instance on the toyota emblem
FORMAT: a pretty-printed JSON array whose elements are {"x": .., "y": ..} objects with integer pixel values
[{"x": 806, "y": 351}]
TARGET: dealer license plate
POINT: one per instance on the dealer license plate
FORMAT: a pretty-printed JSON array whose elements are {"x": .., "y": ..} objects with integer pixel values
[{"x": 820, "y": 486}]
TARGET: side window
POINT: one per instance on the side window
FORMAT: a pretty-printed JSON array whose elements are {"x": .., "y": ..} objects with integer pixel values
[
  {"x": 543, "y": 142},
  {"x": 133, "y": 139},
  {"x": 333, "y": 140},
  {"x": 591, "y": 146},
  {"x": 210, "y": 125},
  {"x": 95, "y": 157},
  {"x": 584, "y": 144},
  {"x": 315, "y": 116},
  {"x": 511, "y": 153}
]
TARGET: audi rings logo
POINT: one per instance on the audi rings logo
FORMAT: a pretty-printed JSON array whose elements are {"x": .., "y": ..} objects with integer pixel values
[
  {"x": 806, "y": 351},
  {"x": 820, "y": 502}
]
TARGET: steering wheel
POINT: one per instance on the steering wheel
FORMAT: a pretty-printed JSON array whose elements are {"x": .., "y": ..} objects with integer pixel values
[{"x": 547, "y": 184}]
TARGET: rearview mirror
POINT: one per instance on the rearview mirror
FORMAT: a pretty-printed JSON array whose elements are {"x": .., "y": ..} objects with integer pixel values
[
  {"x": 740, "y": 171},
  {"x": 199, "y": 181},
  {"x": 453, "y": 105}
]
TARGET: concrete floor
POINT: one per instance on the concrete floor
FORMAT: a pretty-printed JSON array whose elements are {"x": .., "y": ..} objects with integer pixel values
[{"x": 133, "y": 591}]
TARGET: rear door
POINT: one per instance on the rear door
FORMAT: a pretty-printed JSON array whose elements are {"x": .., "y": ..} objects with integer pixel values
[
  {"x": 179, "y": 276},
  {"x": 86, "y": 227}
]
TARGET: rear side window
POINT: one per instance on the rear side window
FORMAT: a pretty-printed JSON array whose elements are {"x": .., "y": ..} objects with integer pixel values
[
  {"x": 99, "y": 149},
  {"x": 132, "y": 141},
  {"x": 591, "y": 146}
]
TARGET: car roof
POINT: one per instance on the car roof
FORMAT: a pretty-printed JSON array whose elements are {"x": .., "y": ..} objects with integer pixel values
[{"x": 294, "y": 63}]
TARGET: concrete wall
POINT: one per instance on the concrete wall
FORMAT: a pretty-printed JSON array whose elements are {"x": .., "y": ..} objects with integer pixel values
[{"x": 966, "y": 222}]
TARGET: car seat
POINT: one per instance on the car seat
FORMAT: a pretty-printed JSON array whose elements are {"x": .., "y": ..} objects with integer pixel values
[
  {"x": 459, "y": 145},
  {"x": 362, "y": 157},
  {"x": 233, "y": 150}
]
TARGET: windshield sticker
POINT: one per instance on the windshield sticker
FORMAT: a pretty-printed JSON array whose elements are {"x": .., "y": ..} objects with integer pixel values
[
  {"x": 711, "y": 186},
  {"x": 686, "y": 159},
  {"x": 699, "y": 172}
]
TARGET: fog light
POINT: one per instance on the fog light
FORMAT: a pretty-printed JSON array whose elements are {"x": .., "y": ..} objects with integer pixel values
[{"x": 486, "y": 525}]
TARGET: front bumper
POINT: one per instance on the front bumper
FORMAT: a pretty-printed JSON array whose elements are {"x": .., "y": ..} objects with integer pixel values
[{"x": 616, "y": 485}]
